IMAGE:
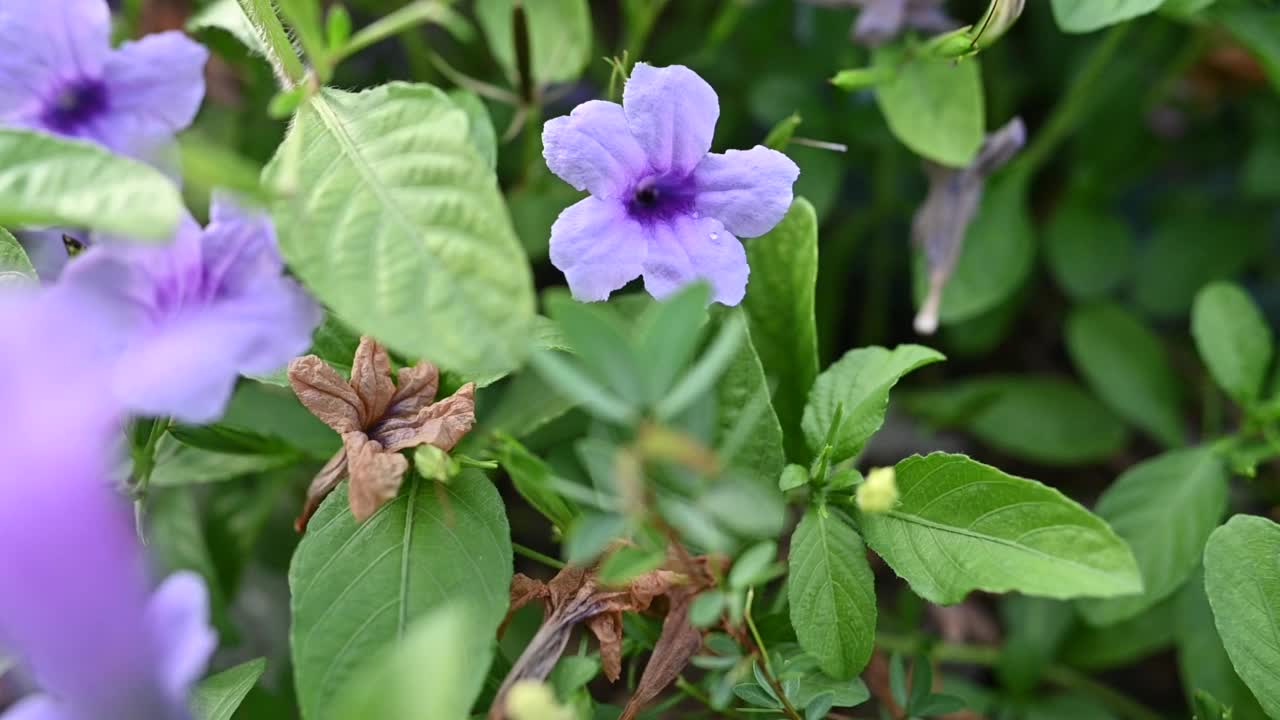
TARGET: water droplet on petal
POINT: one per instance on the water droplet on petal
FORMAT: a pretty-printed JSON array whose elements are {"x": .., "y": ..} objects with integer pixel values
[{"x": 715, "y": 236}]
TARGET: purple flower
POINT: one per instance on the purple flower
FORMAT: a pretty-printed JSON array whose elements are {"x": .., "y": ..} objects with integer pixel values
[
  {"x": 661, "y": 205},
  {"x": 76, "y": 610},
  {"x": 59, "y": 74},
  {"x": 192, "y": 316},
  {"x": 883, "y": 20}
]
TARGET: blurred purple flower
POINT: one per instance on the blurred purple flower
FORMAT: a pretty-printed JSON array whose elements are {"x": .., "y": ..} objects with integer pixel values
[
  {"x": 661, "y": 204},
  {"x": 59, "y": 74},
  {"x": 191, "y": 316},
  {"x": 76, "y": 611},
  {"x": 883, "y": 20}
]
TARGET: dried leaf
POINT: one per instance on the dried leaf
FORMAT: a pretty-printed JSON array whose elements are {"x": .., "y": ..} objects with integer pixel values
[
  {"x": 326, "y": 394},
  {"x": 415, "y": 389},
  {"x": 608, "y": 631},
  {"x": 442, "y": 424},
  {"x": 376, "y": 474},
  {"x": 675, "y": 647}
]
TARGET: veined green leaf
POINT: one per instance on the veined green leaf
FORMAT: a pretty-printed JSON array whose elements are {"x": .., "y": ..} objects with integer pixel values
[
  {"x": 859, "y": 384},
  {"x": 934, "y": 107},
  {"x": 780, "y": 311},
  {"x": 1202, "y": 660},
  {"x": 748, "y": 436},
  {"x": 357, "y": 588},
  {"x": 218, "y": 697},
  {"x": 398, "y": 225},
  {"x": 832, "y": 594},
  {"x": 961, "y": 526},
  {"x": 227, "y": 16},
  {"x": 15, "y": 266},
  {"x": 1082, "y": 16},
  {"x": 1242, "y": 579},
  {"x": 46, "y": 180},
  {"x": 559, "y": 37},
  {"x": 1233, "y": 338},
  {"x": 1165, "y": 508}
]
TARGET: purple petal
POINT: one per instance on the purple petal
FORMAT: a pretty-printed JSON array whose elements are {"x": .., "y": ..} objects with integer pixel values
[
  {"x": 747, "y": 190},
  {"x": 239, "y": 246},
  {"x": 45, "y": 43},
  {"x": 688, "y": 249},
  {"x": 155, "y": 86},
  {"x": 672, "y": 112},
  {"x": 38, "y": 707},
  {"x": 598, "y": 247},
  {"x": 592, "y": 149},
  {"x": 178, "y": 618}
]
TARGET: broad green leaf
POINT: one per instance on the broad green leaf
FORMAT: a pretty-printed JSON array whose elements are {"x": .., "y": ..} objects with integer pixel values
[
  {"x": 997, "y": 257},
  {"x": 358, "y": 588},
  {"x": 1127, "y": 366},
  {"x": 1242, "y": 580},
  {"x": 1165, "y": 508},
  {"x": 1090, "y": 251},
  {"x": 1103, "y": 648},
  {"x": 227, "y": 16},
  {"x": 780, "y": 309},
  {"x": 531, "y": 477},
  {"x": 1041, "y": 418},
  {"x": 15, "y": 266},
  {"x": 1202, "y": 661},
  {"x": 47, "y": 180},
  {"x": 832, "y": 592},
  {"x": 858, "y": 384},
  {"x": 179, "y": 464},
  {"x": 398, "y": 225},
  {"x": 218, "y": 697},
  {"x": 748, "y": 437},
  {"x": 434, "y": 673},
  {"x": 558, "y": 39},
  {"x": 1082, "y": 16},
  {"x": 961, "y": 526},
  {"x": 1176, "y": 262},
  {"x": 934, "y": 107},
  {"x": 1233, "y": 338},
  {"x": 1258, "y": 29},
  {"x": 483, "y": 136}
]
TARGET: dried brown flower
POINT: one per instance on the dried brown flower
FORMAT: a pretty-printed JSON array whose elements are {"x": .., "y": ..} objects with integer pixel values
[
  {"x": 576, "y": 596},
  {"x": 376, "y": 419}
]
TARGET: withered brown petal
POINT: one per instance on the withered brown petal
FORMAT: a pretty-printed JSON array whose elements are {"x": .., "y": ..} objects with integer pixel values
[
  {"x": 607, "y": 628},
  {"x": 326, "y": 394},
  {"x": 675, "y": 647},
  {"x": 376, "y": 474},
  {"x": 415, "y": 389},
  {"x": 321, "y": 485},
  {"x": 442, "y": 424},
  {"x": 371, "y": 378}
]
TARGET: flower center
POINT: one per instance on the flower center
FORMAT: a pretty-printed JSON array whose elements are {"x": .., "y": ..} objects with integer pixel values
[
  {"x": 659, "y": 198},
  {"x": 75, "y": 104}
]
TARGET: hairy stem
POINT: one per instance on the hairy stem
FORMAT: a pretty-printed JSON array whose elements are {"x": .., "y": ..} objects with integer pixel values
[{"x": 275, "y": 39}]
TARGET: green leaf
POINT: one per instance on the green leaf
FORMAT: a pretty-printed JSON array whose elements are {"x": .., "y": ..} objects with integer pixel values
[
  {"x": 1242, "y": 579},
  {"x": 832, "y": 593},
  {"x": 1233, "y": 338},
  {"x": 47, "y": 180},
  {"x": 218, "y": 697},
  {"x": 934, "y": 107},
  {"x": 668, "y": 334},
  {"x": 1082, "y": 16},
  {"x": 780, "y": 312},
  {"x": 1165, "y": 508},
  {"x": 398, "y": 225},
  {"x": 179, "y": 464},
  {"x": 15, "y": 266},
  {"x": 1126, "y": 364},
  {"x": 961, "y": 526},
  {"x": 753, "y": 566},
  {"x": 558, "y": 32},
  {"x": 226, "y": 15},
  {"x": 532, "y": 479},
  {"x": 1176, "y": 262},
  {"x": 1041, "y": 418},
  {"x": 1258, "y": 29},
  {"x": 1202, "y": 661},
  {"x": 483, "y": 136},
  {"x": 1090, "y": 251},
  {"x": 1035, "y": 629},
  {"x": 1113, "y": 646},
  {"x": 748, "y": 437},
  {"x": 859, "y": 384},
  {"x": 357, "y": 588},
  {"x": 434, "y": 672},
  {"x": 997, "y": 257}
]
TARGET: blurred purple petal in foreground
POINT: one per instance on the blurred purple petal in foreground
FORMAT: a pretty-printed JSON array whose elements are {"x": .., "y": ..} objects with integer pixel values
[
  {"x": 76, "y": 610},
  {"x": 59, "y": 74},
  {"x": 190, "y": 317}
]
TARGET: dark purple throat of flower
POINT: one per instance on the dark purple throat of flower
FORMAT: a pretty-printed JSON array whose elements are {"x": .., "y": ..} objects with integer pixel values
[
  {"x": 75, "y": 104},
  {"x": 659, "y": 198}
]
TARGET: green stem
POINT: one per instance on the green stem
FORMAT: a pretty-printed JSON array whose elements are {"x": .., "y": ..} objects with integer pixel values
[
  {"x": 990, "y": 656},
  {"x": 778, "y": 690},
  {"x": 144, "y": 460},
  {"x": 1074, "y": 106},
  {"x": 280, "y": 51},
  {"x": 536, "y": 556}
]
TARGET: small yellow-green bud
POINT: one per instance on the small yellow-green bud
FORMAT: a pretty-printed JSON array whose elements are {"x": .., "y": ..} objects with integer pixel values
[
  {"x": 879, "y": 493},
  {"x": 532, "y": 700}
]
